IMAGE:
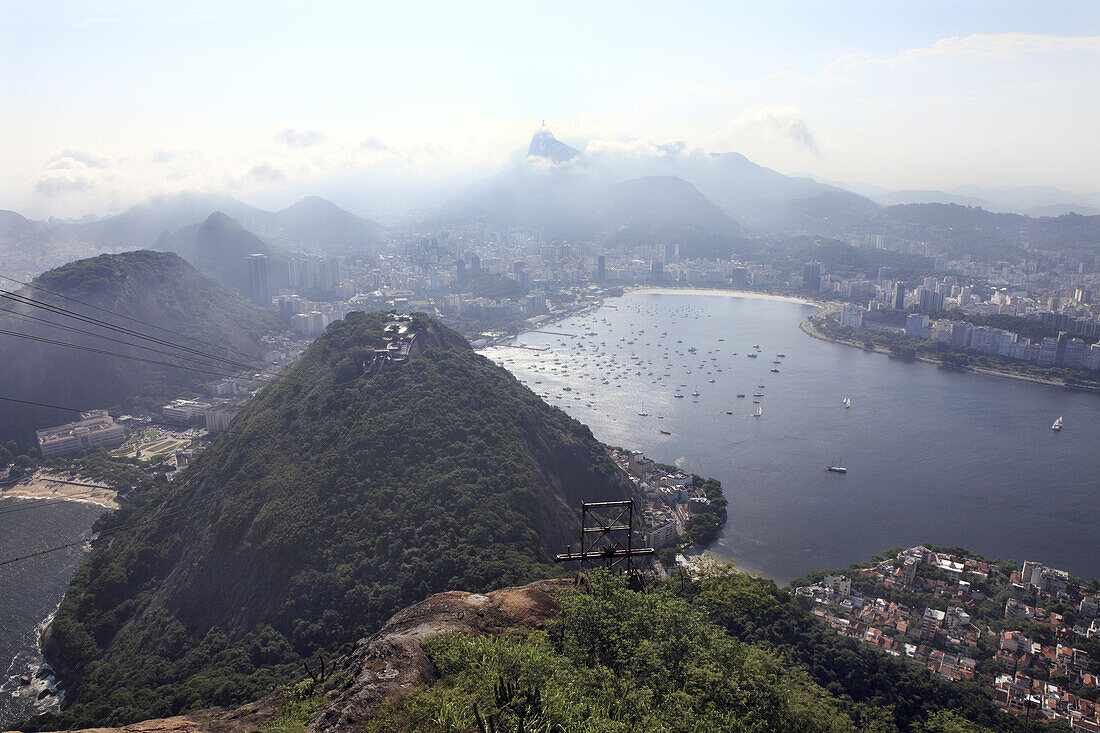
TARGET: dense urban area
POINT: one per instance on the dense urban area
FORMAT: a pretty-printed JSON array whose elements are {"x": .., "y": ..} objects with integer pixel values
[{"x": 1030, "y": 632}]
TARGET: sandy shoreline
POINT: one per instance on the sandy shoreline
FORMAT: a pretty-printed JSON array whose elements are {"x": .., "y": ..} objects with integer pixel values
[
  {"x": 46, "y": 486},
  {"x": 726, "y": 292}
]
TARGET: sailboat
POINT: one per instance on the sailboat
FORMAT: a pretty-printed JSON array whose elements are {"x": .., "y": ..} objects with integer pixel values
[
  {"x": 759, "y": 412},
  {"x": 847, "y": 402},
  {"x": 836, "y": 467},
  {"x": 1057, "y": 426}
]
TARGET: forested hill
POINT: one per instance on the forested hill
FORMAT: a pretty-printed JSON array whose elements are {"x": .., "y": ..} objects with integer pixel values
[
  {"x": 160, "y": 289},
  {"x": 334, "y": 499}
]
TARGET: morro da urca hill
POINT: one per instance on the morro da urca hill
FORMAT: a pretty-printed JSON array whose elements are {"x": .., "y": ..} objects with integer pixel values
[
  {"x": 339, "y": 495},
  {"x": 161, "y": 289}
]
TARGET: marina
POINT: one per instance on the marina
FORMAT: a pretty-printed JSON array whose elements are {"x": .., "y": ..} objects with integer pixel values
[{"x": 888, "y": 418}]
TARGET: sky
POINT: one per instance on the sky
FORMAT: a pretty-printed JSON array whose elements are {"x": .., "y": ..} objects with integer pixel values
[{"x": 384, "y": 105}]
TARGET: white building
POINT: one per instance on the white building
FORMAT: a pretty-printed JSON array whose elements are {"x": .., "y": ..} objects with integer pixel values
[
  {"x": 663, "y": 535},
  {"x": 841, "y": 585},
  {"x": 916, "y": 326},
  {"x": 851, "y": 315},
  {"x": 182, "y": 411},
  {"x": 93, "y": 428},
  {"x": 218, "y": 417}
]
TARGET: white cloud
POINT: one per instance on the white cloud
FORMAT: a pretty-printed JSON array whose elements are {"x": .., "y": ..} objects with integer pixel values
[
  {"x": 373, "y": 143},
  {"x": 299, "y": 138},
  {"x": 992, "y": 46},
  {"x": 76, "y": 159},
  {"x": 783, "y": 125},
  {"x": 71, "y": 172},
  {"x": 625, "y": 148},
  {"x": 54, "y": 183}
]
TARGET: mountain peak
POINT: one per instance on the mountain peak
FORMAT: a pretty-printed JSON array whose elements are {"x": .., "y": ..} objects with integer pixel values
[
  {"x": 221, "y": 220},
  {"x": 545, "y": 145}
]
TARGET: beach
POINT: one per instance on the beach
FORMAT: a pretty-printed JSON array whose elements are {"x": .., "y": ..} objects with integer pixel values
[
  {"x": 42, "y": 485},
  {"x": 648, "y": 290}
]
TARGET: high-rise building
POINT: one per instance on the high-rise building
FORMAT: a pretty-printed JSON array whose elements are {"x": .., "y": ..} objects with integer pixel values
[
  {"x": 930, "y": 301},
  {"x": 1060, "y": 354},
  {"x": 259, "y": 280},
  {"x": 811, "y": 276},
  {"x": 334, "y": 273},
  {"x": 916, "y": 326},
  {"x": 657, "y": 273},
  {"x": 1048, "y": 352},
  {"x": 899, "y": 295},
  {"x": 930, "y": 624},
  {"x": 601, "y": 268}
]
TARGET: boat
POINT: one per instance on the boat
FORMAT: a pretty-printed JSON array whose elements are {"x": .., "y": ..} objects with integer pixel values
[
  {"x": 1057, "y": 426},
  {"x": 776, "y": 371},
  {"x": 740, "y": 395},
  {"x": 643, "y": 414},
  {"x": 665, "y": 432},
  {"x": 678, "y": 396},
  {"x": 752, "y": 356},
  {"x": 836, "y": 469},
  {"x": 781, "y": 356},
  {"x": 757, "y": 394},
  {"x": 694, "y": 394},
  {"x": 729, "y": 412},
  {"x": 847, "y": 402},
  {"x": 759, "y": 412}
]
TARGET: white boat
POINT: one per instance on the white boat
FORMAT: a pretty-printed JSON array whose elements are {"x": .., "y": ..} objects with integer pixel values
[
  {"x": 836, "y": 469},
  {"x": 847, "y": 402},
  {"x": 759, "y": 412},
  {"x": 1057, "y": 426}
]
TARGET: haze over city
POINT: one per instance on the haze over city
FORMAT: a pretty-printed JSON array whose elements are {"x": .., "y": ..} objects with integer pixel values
[
  {"x": 490, "y": 367},
  {"x": 386, "y": 109}
]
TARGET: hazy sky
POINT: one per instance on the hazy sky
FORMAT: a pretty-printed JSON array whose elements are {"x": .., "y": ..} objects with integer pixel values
[{"x": 103, "y": 104}]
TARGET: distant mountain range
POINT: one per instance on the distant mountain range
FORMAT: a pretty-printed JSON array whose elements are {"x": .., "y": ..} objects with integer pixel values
[
  {"x": 716, "y": 204},
  {"x": 712, "y": 205},
  {"x": 313, "y": 224}
]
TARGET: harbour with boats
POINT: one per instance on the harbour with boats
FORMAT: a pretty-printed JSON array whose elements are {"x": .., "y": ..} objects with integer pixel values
[{"x": 688, "y": 380}]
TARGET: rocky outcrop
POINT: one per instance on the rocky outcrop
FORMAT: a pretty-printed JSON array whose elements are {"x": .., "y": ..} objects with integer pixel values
[
  {"x": 392, "y": 661},
  {"x": 388, "y": 662}
]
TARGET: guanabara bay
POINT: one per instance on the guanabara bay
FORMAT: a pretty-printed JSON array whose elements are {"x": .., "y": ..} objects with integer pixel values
[{"x": 516, "y": 367}]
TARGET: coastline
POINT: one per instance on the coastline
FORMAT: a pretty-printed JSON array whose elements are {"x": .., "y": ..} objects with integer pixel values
[
  {"x": 728, "y": 292},
  {"x": 652, "y": 290},
  {"x": 808, "y": 327},
  {"x": 47, "y": 486}
]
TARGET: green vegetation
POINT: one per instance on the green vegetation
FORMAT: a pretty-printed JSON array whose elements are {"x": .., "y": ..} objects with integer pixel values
[
  {"x": 1029, "y": 328},
  {"x": 494, "y": 287},
  {"x": 329, "y": 504},
  {"x": 162, "y": 290},
  {"x": 704, "y": 525},
  {"x": 730, "y": 652}
]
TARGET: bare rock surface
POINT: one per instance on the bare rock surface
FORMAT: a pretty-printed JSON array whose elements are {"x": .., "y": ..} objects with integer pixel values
[{"x": 392, "y": 661}]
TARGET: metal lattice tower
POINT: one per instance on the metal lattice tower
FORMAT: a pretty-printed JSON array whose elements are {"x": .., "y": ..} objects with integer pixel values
[{"x": 607, "y": 537}]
